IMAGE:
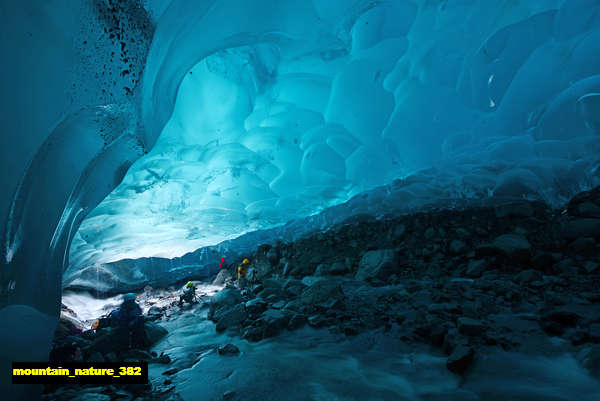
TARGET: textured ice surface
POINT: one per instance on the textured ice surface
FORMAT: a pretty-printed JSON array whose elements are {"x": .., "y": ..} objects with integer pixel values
[{"x": 269, "y": 111}]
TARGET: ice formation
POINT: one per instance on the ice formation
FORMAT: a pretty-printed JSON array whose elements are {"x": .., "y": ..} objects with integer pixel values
[
  {"x": 259, "y": 112},
  {"x": 267, "y": 111}
]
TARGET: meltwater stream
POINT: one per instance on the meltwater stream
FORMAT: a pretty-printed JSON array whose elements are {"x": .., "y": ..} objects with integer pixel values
[{"x": 311, "y": 364}]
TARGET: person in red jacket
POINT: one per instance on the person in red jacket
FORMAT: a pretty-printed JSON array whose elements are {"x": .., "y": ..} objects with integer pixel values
[{"x": 222, "y": 264}]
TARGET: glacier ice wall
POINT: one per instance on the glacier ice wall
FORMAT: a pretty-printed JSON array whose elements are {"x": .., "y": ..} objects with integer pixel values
[{"x": 266, "y": 111}]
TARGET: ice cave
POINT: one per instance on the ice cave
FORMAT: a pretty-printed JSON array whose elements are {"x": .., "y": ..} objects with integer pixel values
[{"x": 353, "y": 200}]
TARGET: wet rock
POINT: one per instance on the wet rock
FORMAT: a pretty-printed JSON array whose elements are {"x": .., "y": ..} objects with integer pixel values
[
  {"x": 378, "y": 264},
  {"x": 223, "y": 277},
  {"x": 460, "y": 359},
  {"x": 476, "y": 268},
  {"x": 232, "y": 318},
  {"x": 296, "y": 321},
  {"x": 585, "y": 209},
  {"x": 585, "y": 227},
  {"x": 594, "y": 332},
  {"x": 256, "y": 306},
  {"x": 318, "y": 321},
  {"x": 513, "y": 245},
  {"x": 225, "y": 298},
  {"x": 253, "y": 333},
  {"x": 583, "y": 245},
  {"x": 457, "y": 247},
  {"x": 590, "y": 360},
  {"x": 321, "y": 291},
  {"x": 274, "y": 322},
  {"x": 563, "y": 316},
  {"x": 528, "y": 276},
  {"x": 337, "y": 268},
  {"x": 590, "y": 267},
  {"x": 154, "y": 332},
  {"x": 154, "y": 313},
  {"x": 470, "y": 327},
  {"x": 162, "y": 359},
  {"x": 516, "y": 209},
  {"x": 96, "y": 357},
  {"x": 228, "y": 350}
]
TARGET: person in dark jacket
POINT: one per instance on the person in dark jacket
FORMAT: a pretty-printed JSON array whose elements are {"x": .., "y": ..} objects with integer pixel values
[{"x": 129, "y": 323}]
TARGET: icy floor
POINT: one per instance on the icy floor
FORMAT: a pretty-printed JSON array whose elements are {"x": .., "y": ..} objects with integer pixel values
[{"x": 317, "y": 365}]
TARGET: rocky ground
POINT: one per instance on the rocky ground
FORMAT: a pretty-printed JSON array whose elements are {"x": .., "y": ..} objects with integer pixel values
[{"x": 516, "y": 277}]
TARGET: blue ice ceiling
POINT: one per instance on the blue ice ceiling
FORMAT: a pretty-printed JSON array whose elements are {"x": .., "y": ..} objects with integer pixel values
[
  {"x": 265, "y": 111},
  {"x": 256, "y": 112}
]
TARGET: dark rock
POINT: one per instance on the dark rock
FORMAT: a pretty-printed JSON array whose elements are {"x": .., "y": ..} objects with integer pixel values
[
  {"x": 528, "y": 276},
  {"x": 585, "y": 227},
  {"x": 225, "y": 298},
  {"x": 590, "y": 267},
  {"x": 170, "y": 372},
  {"x": 512, "y": 245},
  {"x": 321, "y": 291},
  {"x": 378, "y": 264},
  {"x": 154, "y": 332},
  {"x": 232, "y": 318},
  {"x": 256, "y": 306},
  {"x": 228, "y": 350},
  {"x": 223, "y": 277},
  {"x": 296, "y": 321},
  {"x": 516, "y": 209},
  {"x": 154, "y": 313},
  {"x": 274, "y": 322},
  {"x": 457, "y": 247},
  {"x": 253, "y": 333},
  {"x": 163, "y": 359},
  {"x": 96, "y": 357},
  {"x": 476, "y": 268},
  {"x": 585, "y": 209},
  {"x": 460, "y": 360},
  {"x": 470, "y": 327},
  {"x": 563, "y": 316},
  {"x": 590, "y": 360},
  {"x": 318, "y": 321},
  {"x": 594, "y": 332},
  {"x": 583, "y": 245},
  {"x": 337, "y": 268}
]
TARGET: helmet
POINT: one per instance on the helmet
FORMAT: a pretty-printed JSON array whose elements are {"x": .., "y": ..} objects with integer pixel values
[
  {"x": 130, "y": 297},
  {"x": 245, "y": 261},
  {"x": 189, "y": 284}
]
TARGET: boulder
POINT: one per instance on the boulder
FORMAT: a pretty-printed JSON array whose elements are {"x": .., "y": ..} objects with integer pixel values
[
  {"x": 584, "y": 227},
  {"x": 223, "y": 277},
  {"x": 225, "y": 298},
  {"x": 515, "y": 209},
  {"x": 256, "y": 306},
  {"x": 476, "y": 268},
  {"x": 232, "y": 317},
  {"x": 461, "y": 358},
  {"x": 228, "y": 350},
  {"x": 379, "y": 264},
  {"x": 513, "y": 245},
  {"x": 529, "y": 276},
  {"x": 337, "y": 268},
  {"x": 321, "y": 291},
  {"x": 274, "y": 322},
  {"x": 457, "y": 247},
  {"x": 154, "y": 332},
  {"x": 470, "y": 327}
]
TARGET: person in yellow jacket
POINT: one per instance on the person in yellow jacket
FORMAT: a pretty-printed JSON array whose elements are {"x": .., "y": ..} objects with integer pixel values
[
  {"x": 242, "y": 270},
  {"x": 241, "y": 273}
]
